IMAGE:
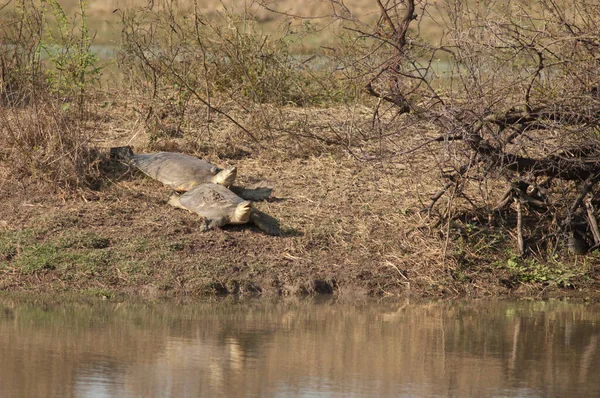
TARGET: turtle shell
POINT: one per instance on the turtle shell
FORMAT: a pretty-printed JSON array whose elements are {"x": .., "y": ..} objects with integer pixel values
[
  {"x": 216, "y": 202},
  {"x": 180, "y": 171}
]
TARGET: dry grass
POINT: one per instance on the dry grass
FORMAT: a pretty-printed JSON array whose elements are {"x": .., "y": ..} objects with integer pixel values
[
  {"x": 350, "y": 225},
  {"x": 346, "y": 223},
  {"x": 41, "y": 143}
]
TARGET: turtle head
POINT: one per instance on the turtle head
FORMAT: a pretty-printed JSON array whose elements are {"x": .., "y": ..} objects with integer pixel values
[
  {"x": 225, "y": 177},
  {"x": 241, "y": 214},
  {"x": 122, "y": 153}
]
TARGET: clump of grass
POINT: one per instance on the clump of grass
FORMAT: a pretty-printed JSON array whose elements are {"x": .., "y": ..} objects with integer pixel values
[
  {"x": 44, "y": 143},
  {"x": 98, "y": 292},
  {"x": 548, "y": 272},
  {"x": 38, "y": 257},
  {"x": 84, "y": 240},
  {"x": 12, "y": 243},
  {"x": 79, "y": 252}
]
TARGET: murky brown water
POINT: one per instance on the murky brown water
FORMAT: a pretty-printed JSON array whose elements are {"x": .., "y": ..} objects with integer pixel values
[{"x": 301, "y": 348}]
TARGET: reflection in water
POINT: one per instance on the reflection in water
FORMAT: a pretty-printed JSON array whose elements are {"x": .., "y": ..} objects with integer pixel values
[{"x": 299, "y": 348}]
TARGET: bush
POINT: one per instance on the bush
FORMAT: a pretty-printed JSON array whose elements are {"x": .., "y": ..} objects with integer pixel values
[
  {"x": 177, "y": 57},
  {"x": 46, "y": 66}
]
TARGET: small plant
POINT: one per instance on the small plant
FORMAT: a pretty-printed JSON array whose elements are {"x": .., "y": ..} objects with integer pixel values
[
  {"x": 530, "y": 270},
  {"x": 20, "y": 62},
  {"x": 68, "y": 48}
]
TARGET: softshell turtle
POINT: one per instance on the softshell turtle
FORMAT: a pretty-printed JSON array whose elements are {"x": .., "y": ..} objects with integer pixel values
[
  {"x": 218, "y": 206},
  {"x": 177, "y": 170},
  {"x": 183, "y": 172}
]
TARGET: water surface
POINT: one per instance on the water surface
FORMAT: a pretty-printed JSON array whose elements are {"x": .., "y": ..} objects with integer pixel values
[{"x": 299, "y": 348}]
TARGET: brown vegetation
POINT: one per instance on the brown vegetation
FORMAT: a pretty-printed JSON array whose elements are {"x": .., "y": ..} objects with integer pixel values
[
  {"x": 521, "y": 110},
  {"x": 358, "y": 141}
]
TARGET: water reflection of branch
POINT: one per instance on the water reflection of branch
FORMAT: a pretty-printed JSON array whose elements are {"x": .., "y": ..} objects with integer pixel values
[
  {"x": 513, "y": 356},
  {"x": 389, "y": 317},
  {"x": 587, "y": 357}
]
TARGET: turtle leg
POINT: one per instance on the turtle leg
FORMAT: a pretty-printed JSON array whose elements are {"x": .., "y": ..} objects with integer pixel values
[
  {"x": 266, "y": 223},
  {"x": 256, "y": 193},
  {"x": 212, "y": 223},
  {"x": 174, "y": 201}
]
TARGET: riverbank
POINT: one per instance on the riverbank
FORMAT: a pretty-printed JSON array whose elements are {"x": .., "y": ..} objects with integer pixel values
[
  {"x": 378, "y": 188},
  {"x": 349, "y": 227}
]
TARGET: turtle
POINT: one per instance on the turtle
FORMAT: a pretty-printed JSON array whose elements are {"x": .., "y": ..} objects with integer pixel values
[
  {"x": 178, "y": 171},
  {"x": 183, "y": 172},
  {"x": 219, "y": 206}
]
